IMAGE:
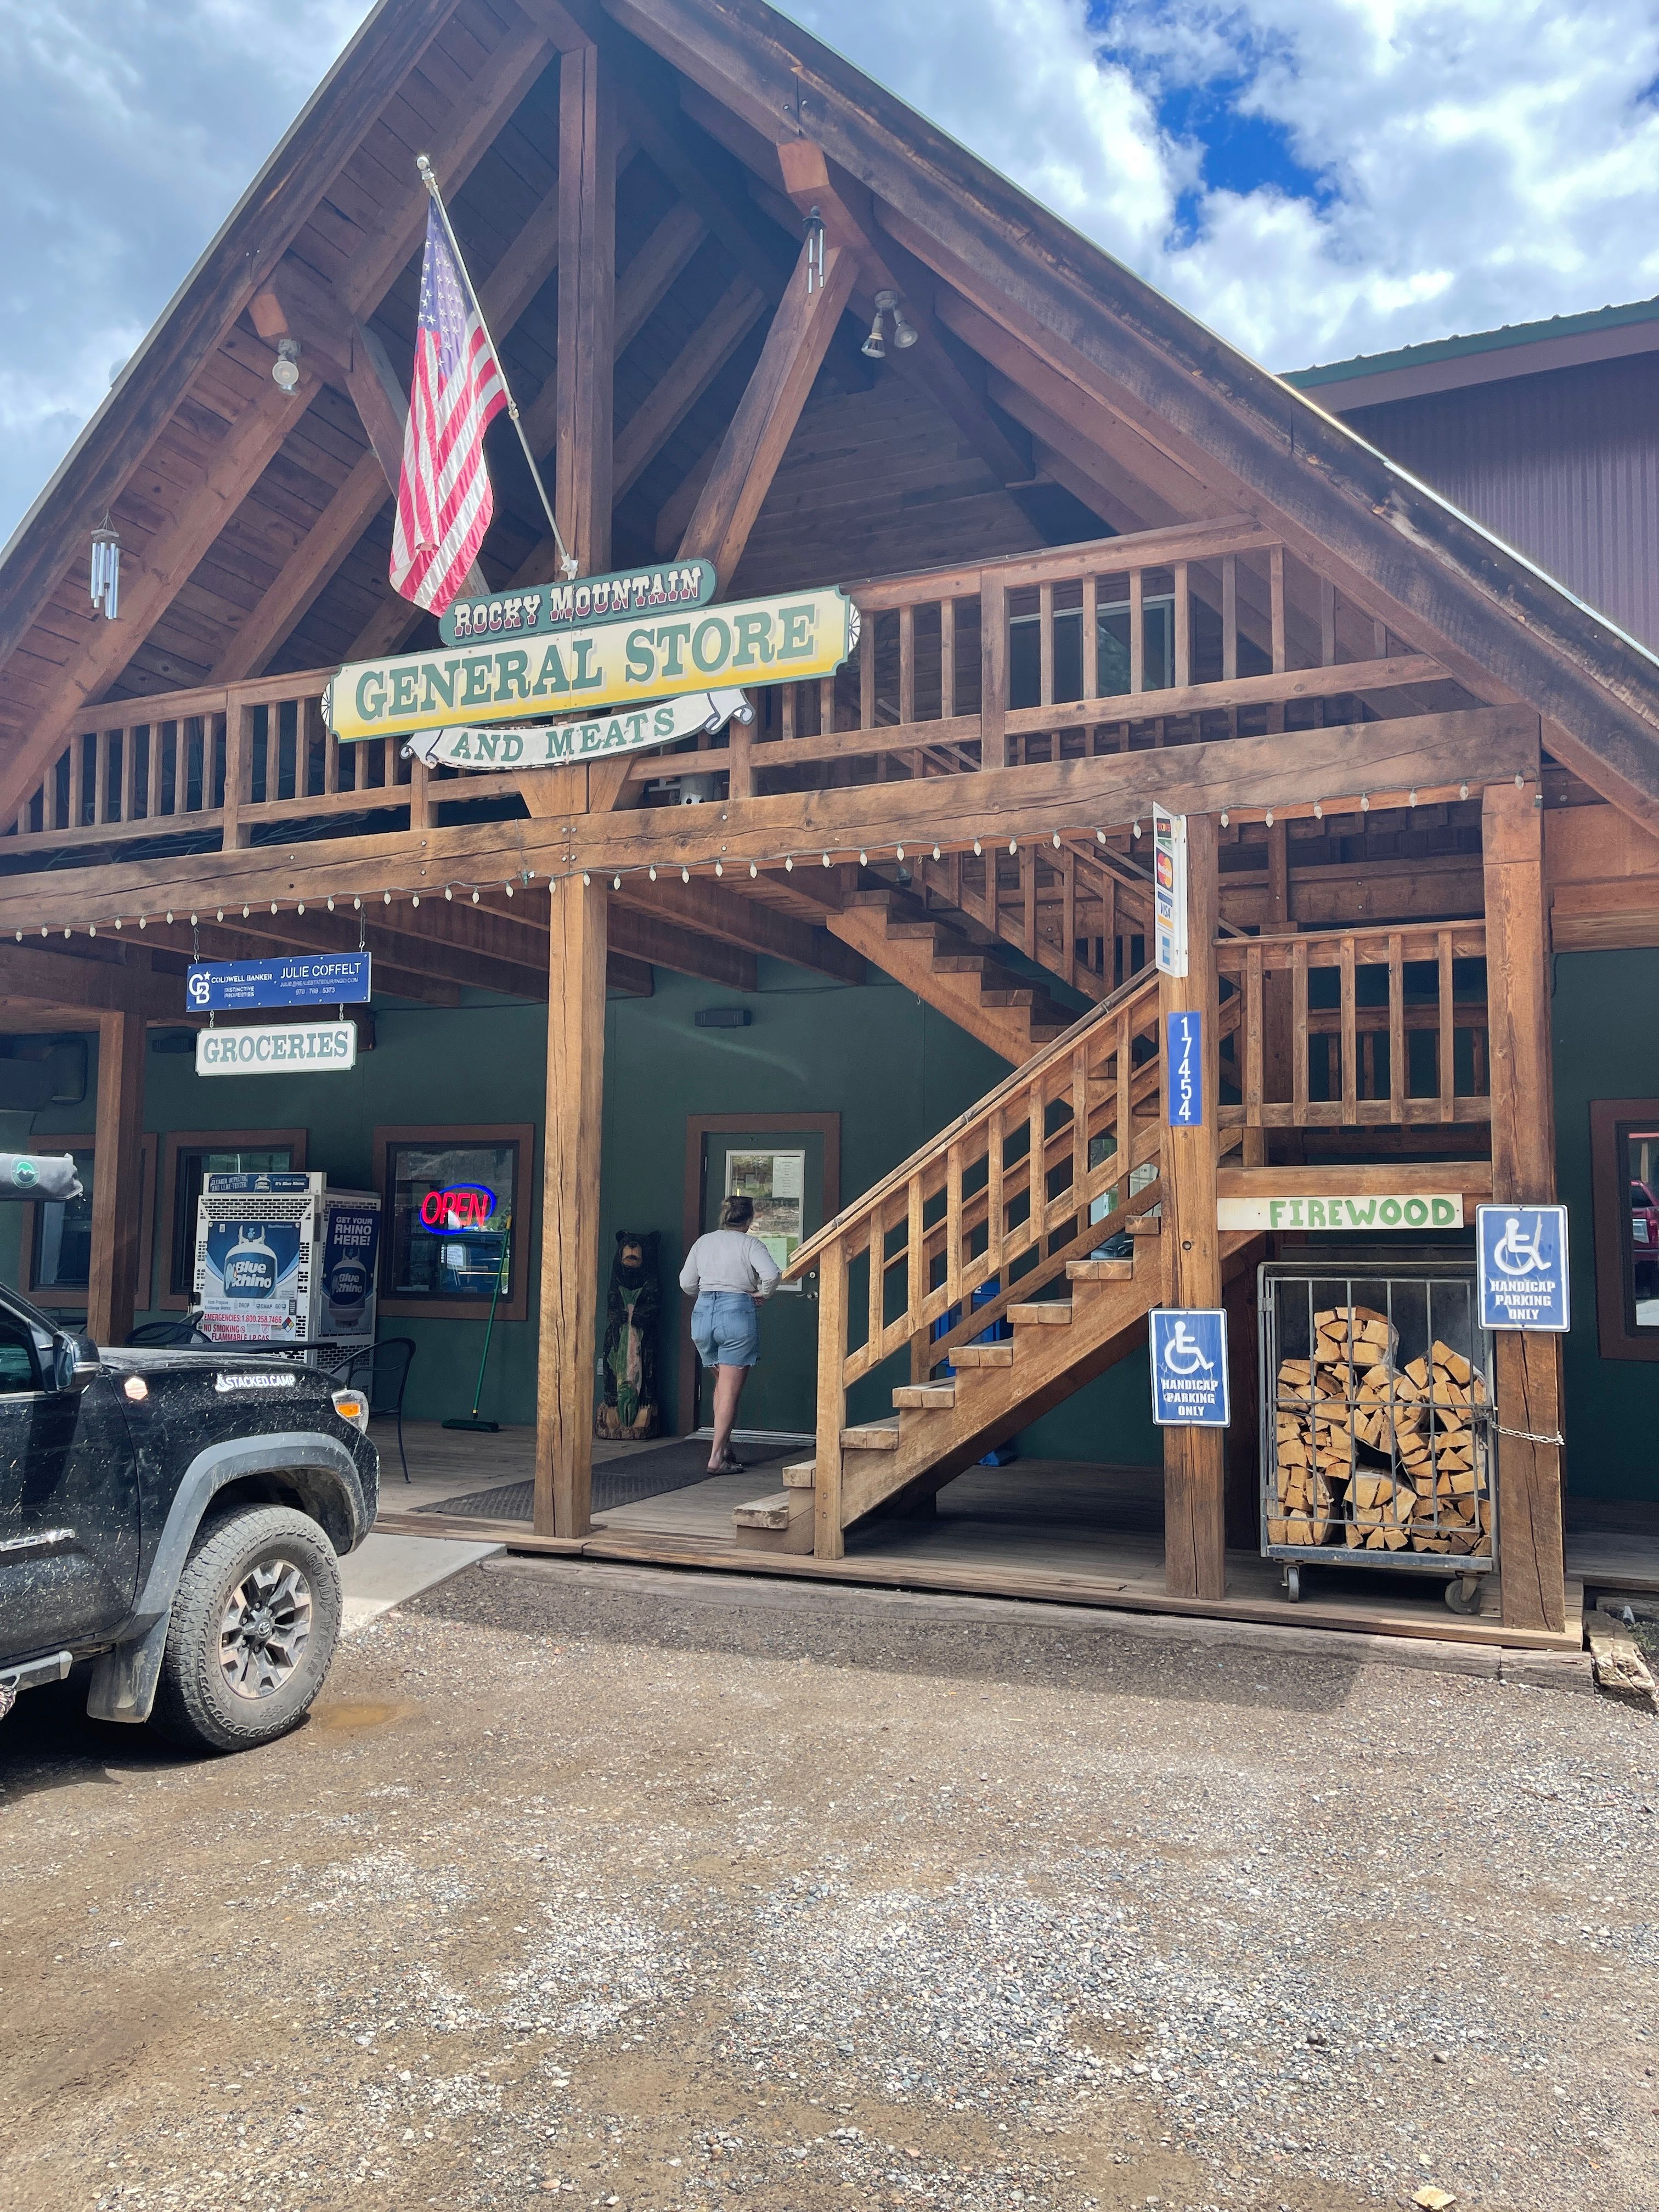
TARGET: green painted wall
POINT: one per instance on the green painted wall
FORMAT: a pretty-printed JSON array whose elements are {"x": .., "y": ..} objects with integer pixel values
[
  {"x": 894, "y": 1069},
  {"x": 1605, "y": 1029}
]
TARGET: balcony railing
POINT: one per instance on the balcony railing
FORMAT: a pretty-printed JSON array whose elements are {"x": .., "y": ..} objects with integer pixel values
[{"x": 1210, "y": 630}]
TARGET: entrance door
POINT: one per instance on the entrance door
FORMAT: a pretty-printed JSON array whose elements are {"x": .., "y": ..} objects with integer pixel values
[{"x": 790, "y": 1169}]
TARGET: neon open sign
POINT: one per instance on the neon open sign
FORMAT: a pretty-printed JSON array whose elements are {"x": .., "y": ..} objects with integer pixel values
[{"x": 463, "y": 1206}]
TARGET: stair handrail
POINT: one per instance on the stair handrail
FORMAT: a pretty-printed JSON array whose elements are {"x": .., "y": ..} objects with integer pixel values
[{"x": 1142, "y": 982}]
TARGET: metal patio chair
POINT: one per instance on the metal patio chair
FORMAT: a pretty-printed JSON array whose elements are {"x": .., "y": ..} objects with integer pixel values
[{"x": 383, "y": 1370}]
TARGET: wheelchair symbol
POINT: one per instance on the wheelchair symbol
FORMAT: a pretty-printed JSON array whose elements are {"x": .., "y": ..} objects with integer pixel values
[
  {"x": 1516, "y": 1255},
  {"x": 1183, "y": 1354}
]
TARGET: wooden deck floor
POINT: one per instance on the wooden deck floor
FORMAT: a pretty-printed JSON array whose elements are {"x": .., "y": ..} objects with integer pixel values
[{"x": 1052, "y": 1529}]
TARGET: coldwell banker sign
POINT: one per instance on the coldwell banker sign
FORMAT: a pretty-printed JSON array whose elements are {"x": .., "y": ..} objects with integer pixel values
[{"x": 607, "y": 670}]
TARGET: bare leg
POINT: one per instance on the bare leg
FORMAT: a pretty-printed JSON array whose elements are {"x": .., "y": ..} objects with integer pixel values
[{"x": 728, "y": 1389}]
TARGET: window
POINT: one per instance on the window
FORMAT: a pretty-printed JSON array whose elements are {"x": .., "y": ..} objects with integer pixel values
[
  {"x": 1112, "y": 647},
  {"x": 20, "y": 1362},
  {"x": 454, "y": 1233},
  {"x": 193, "y": 1153},
  {"x": 1625, "y": 1168},
  {"x": 56, "y": 1233}
]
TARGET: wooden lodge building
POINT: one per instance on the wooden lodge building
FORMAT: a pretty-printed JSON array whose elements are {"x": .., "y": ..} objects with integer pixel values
[{"x": 893, "y": 938}]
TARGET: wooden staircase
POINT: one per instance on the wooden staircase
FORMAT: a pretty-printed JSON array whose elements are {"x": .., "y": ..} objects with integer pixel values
[
  {"x": 930, "y": 954},
  {"x": 939, "y": 1429},
  {"x": 1012, "y": 1202}
]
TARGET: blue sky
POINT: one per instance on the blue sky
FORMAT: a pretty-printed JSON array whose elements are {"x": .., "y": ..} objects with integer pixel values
[{"x": 1312, "y": 177}]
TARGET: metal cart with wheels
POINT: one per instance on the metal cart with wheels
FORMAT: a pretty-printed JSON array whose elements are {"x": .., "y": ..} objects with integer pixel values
[{"x": 1378, "y": 1440}]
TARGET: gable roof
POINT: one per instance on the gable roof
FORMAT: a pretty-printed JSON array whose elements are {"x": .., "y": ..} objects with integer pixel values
[
  {"x": 1107, "y": 376},
  {"x": 1452, "y": 364}
]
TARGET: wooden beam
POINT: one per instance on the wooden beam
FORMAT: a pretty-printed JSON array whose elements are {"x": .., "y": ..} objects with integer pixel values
[
  {"x": 331, "y": 311},
  {"x": 572, "y": 1137},
  {"x": 1194, "y": 1460},
  {"x": 667, "y": 405},
  {"x": 117, "y": 1178},
  {"x": 151, "y": 582},
  {"x": 31, "y": 972},
  {"x": 1430, "y": 754},
  {"x": 1529, "y": 1397},
  {"x": 812, "y": 181},
  {"x": 275, "y": 207},
  {"x": 627, "y": 978},
  {"x": 587, "y": 301},
  {"x": 707, "y": 906},
  {"x": 664, "y": 944},
  {"x": 767, "y": 414}
]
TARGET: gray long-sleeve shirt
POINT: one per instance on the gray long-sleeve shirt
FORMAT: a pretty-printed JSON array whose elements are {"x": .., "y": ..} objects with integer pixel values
[{"x": 729, "y": 1259}]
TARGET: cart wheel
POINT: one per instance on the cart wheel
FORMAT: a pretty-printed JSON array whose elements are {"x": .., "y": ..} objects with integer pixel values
[
  {"x": 1293, "y": 1585},
  {"x": 1464, "y": 1595}
]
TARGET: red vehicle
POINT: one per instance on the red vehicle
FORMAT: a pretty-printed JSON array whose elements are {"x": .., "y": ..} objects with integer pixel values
[{"x": 1645, "y": 1239}]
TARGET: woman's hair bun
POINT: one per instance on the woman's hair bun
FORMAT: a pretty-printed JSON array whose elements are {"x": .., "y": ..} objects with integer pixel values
[{"x": 737, "y": 1213}]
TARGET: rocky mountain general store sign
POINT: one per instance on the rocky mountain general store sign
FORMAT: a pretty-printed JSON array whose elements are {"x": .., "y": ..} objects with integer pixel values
[{"x": 612, "y": 668}]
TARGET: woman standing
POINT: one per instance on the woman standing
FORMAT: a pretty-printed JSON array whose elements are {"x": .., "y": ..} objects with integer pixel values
[{"x": 728, "y": 1271}]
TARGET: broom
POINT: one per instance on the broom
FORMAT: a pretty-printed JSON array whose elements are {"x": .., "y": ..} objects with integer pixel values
[{"x": 470, "y": 1420}]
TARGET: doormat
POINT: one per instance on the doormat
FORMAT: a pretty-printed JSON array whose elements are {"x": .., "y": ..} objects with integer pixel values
[{"x": 618, "y": 1482}]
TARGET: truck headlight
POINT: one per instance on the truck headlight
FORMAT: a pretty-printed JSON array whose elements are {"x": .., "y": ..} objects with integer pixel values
[{"x": 352, "y": 1405}]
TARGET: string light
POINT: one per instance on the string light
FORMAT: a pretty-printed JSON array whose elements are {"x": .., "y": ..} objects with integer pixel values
[
  {"x": 330, "y": 904},
  {"x": 1411, "y": 796},
  {"x": 1270, "y": 822},
  {"x": 936, "y": 853},
  {"x": 1013, "y": 844},
  {"x": 616, "y": 883},
  {"x": 789, "y": 864},
  {"x": 475, "y": 898},
  {"x": 864, "y": 860},
  {"x": 652, "y": 872},
  {"x": 507, "y": 888},
  {"x": 753, "y": 871},
  {"x": 720, "y": 867},
  {"x": 685, "y": 875},
  {"x": 414, "y": 899},
  {"x": 1224, "y": 818},
  {"x": 1365, "y": 803},
  {"x": 1319, "y": 810},
  {"x": 826, "y": 859},
  {"x": 301, "y": 908},
  {"x": 169, "y": 918},
  {"x": 586, "y": 878},
  {"x": 978, "y": 849},
  {"x": 899, "y": 849},
  {"x": 1057, "y": 837},
  {"x": 1463, "y": 791},
  {"x": 385, "y": 900}
]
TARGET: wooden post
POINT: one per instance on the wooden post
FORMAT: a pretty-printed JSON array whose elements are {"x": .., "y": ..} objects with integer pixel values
[
  {"x": 829, "y": 1541},
  {"x": 587, "y": 307},
  {"x": 117, "y": 1178},
  {"x": 570, "y": 1207},
  {"x": 1528, "y": 1383},
  {"x": 1194, "y": 1473}
]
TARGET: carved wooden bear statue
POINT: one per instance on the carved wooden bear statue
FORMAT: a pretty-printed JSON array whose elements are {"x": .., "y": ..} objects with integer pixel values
[{"x": 629, "y": 1408}]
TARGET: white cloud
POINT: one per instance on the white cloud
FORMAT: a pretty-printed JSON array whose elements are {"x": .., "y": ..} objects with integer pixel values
[{"x": 1479, "y": 161}]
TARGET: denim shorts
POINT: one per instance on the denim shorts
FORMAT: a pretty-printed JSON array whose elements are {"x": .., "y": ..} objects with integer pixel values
[{"x": 726, "y": 1329}]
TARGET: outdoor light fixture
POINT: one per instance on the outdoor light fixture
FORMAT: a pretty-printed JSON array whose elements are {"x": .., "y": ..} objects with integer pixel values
[
  {"x": 872, "y": 345},
  {"x": 887, "y": 303},
  {"x": 285, "y": 372}
]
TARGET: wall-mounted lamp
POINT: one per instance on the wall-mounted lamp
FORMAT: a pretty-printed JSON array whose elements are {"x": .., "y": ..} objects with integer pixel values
[
  {"x": 904, "y": 334},
  {"x": 285, "y": 372}
]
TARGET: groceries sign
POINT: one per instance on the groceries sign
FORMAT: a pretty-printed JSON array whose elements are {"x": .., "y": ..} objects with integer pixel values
[{"x": 632, "y": 657}]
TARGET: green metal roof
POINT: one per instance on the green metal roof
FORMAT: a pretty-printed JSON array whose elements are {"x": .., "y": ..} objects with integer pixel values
[{"x": 1452, "y": 348}]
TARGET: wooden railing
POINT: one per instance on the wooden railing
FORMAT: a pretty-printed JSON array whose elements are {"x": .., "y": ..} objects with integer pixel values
[
  {"x": 1353, "y": 1028},
  {"x": 1207, "y": 630},
  {"x": 219, "y": 762},
  {"x": 1076, "y": 913},
  {"x": 1005, "y": 1195}
]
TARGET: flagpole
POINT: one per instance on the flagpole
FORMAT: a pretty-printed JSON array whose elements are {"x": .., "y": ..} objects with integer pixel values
[{"x": 570, "y": 567}]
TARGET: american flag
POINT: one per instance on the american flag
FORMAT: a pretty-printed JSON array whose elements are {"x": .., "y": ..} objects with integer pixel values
[{"x": 444, "y": 499}]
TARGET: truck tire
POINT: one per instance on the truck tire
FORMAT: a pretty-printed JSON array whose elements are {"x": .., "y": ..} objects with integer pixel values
[{"x": 254, "y": 1626}]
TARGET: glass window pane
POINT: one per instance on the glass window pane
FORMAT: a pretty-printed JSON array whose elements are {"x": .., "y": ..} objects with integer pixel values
[
  {"x": 1158, "y": 637},
  {"x": 19, "y": 1364},
  {"x": 63, "y": 1235},
  {"x": 451, "y": 1207},
  {"x": 1641, "y": 1177}
]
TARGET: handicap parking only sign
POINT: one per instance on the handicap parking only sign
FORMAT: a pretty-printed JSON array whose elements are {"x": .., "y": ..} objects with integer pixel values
[
  {"x": 1190, "y": 1367},
  {"x": 1523, "y": 1265}
]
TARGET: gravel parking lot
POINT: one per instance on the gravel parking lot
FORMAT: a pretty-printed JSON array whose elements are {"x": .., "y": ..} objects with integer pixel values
[{"x": 665, "y": 1894}]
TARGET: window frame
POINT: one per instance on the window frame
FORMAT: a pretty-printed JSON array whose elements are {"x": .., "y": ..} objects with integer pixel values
[
  {"x": 73, "y": 1297},
  {"x": 515, "y": 1304},
  {"x": 211, "y": 1140},
  {"x": 1610, "y": 1119}
]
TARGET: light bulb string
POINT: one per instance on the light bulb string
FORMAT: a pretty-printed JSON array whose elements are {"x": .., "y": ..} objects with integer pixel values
[{"x": 1092, "y": 843}]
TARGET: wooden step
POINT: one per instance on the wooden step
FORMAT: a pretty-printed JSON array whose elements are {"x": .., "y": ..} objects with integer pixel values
[
  {"x": 1009, "y": 994},
  {"x": 1050, "y": 1313},
  {"x": 874, "y": 1436},
  {"x": 983, "y": 1355},
  {"x": 800, "y": 1474},
  {"x": 925, "y": 1397},
  {"x": 781, "y": 1522},
  {"x": 1099, "y": 1271}
]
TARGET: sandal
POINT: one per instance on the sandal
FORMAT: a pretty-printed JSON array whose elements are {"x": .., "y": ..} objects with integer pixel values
[{"x": 730, "y": 1465}]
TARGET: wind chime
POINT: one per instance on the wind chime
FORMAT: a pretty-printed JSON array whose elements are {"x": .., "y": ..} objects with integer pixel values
[{"x": 107, "y": 568}]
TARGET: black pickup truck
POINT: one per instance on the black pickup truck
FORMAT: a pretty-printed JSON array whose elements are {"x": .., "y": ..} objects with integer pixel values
[{"x": 174, "y": 1517}]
